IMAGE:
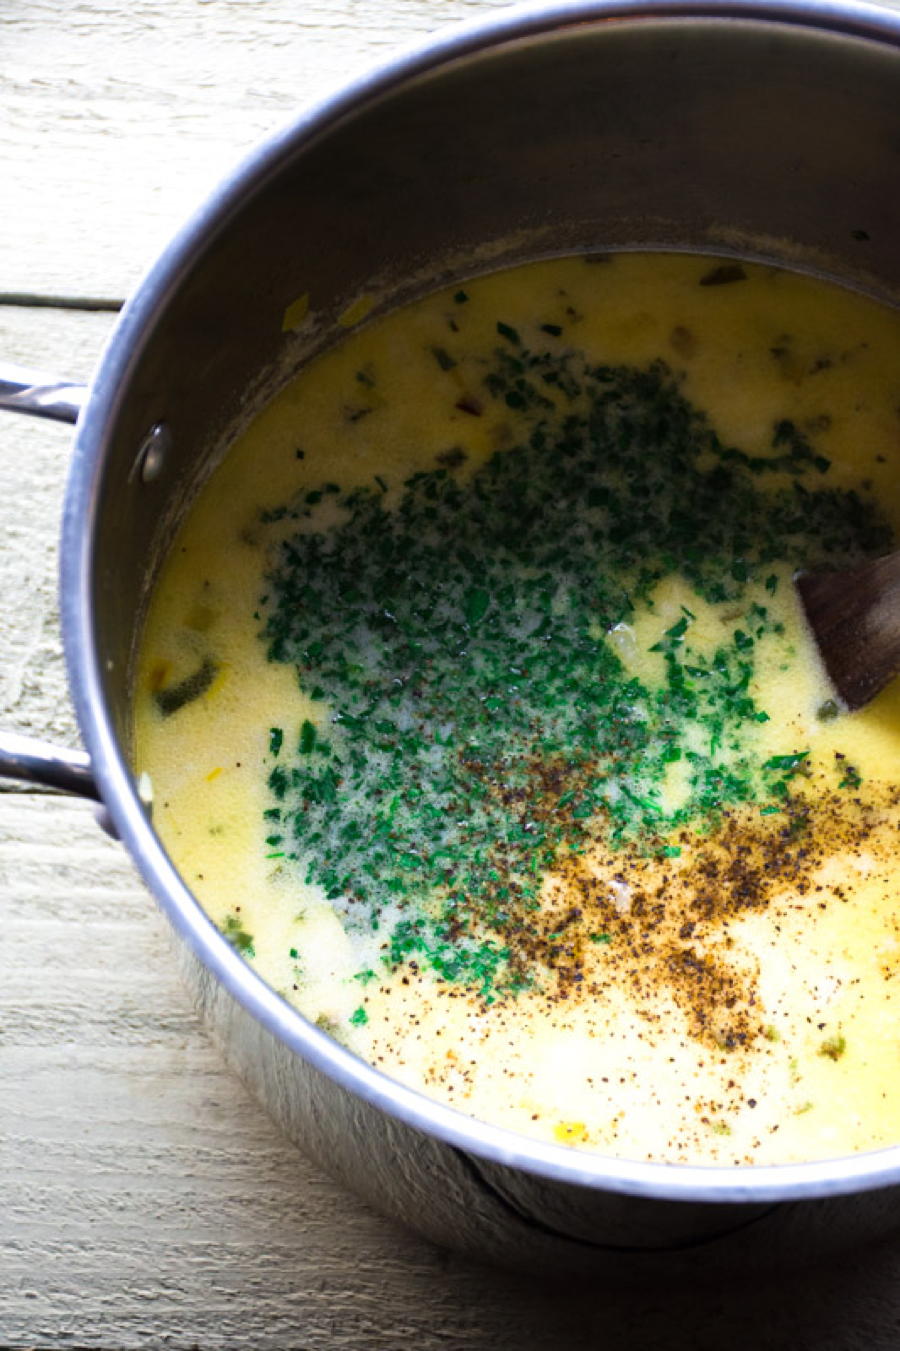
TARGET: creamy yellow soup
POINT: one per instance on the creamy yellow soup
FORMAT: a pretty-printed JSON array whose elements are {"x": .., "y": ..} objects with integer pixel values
[{"x": 480, "y": 714}]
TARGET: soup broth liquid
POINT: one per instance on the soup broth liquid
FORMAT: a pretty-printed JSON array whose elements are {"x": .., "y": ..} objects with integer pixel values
[{"x": 481, "y": 716}]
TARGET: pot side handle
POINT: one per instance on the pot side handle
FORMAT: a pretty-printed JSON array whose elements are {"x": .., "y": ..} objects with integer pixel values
[
  {"x": 32, "y": 761},
  {"x": 23, "y": 390}
]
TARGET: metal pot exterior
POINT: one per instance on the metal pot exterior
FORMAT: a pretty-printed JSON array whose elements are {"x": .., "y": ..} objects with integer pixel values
[
  {"x": 503, "y": 1214},
  {"x": 770, "y": 130}
]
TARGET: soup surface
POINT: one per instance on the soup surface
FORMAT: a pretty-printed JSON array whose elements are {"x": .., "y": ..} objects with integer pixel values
[{"x": 481, "y": 717}]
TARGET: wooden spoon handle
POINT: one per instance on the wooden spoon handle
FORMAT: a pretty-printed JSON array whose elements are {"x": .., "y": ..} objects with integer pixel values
[{"x": 855, "y": 619}]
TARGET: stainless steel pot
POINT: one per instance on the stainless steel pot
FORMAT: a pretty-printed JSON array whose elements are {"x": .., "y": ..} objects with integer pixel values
[{"x": 769, "y": 129}]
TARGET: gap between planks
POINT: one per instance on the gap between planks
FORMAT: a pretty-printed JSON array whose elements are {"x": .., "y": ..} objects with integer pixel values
[{"x": 25, "y": 300}]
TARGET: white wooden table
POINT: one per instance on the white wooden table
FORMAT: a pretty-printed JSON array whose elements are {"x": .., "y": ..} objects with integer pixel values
[{"x": 145, "y": 1200}]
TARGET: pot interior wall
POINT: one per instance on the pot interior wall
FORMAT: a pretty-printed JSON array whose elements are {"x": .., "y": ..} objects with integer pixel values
[{"x": 757, "y": 137}]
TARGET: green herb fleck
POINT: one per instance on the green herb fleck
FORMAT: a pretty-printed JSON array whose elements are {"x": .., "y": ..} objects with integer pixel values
[
  {"x": 790, "y": 762},
  {"x": 170, "y": 700},
  {"x": 476, "y": 606},
  {"x": 232, "y": 929}
]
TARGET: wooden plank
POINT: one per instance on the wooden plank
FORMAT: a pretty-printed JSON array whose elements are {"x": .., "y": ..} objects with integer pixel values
[
  {"x": 33, "y": 463},
  {"x": 120, "y": 118},
  {"x": 146, "y": 1200}
]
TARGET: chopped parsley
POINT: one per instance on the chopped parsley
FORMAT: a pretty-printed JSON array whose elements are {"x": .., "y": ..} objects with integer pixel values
[{"x": 481, "y": 728}]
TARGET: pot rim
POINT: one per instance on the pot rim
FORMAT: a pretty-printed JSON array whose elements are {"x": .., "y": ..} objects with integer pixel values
[{"x": 665, "y": 1181}]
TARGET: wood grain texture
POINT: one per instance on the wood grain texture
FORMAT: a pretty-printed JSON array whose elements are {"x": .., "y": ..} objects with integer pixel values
[
  {"x": 147, "y": 1202},
  {"x": 120, "y": 118},
  {"x": 34, "y": 456}
]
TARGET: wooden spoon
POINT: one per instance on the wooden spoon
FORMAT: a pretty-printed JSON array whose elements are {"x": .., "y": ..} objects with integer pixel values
[{"x": 855, "y": 621}]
